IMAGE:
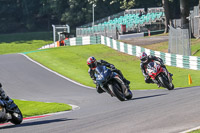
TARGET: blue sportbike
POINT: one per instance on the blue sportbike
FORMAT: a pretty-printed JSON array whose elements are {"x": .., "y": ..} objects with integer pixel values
[{"x": 112, "y": 83}]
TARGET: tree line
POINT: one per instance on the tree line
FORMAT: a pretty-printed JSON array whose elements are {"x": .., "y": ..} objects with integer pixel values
[{"x": 39, "y": 15}]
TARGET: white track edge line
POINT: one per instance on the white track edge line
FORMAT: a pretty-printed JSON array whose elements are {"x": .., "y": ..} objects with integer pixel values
[
  {"x": 190, "y": 130},
  {"x": 66, "y": 77},
  {"x": 56, "y": 72}
]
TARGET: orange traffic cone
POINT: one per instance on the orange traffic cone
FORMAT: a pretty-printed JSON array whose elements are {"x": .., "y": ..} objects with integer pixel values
[{"x": 189, "y": 79}]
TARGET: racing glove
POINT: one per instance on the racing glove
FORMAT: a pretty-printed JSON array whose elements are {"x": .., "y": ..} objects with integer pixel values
[
  {"x": 94, "y": 81},
  {"x": 146, "y": 76},
  {"x": 112, "y": 67}
]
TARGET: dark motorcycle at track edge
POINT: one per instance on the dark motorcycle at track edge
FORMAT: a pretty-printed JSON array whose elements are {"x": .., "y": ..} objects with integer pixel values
[
  {"x": 9, "y": 112},
  {"x": 112, "y": 83},
  {"x": 160, "y": 74}
]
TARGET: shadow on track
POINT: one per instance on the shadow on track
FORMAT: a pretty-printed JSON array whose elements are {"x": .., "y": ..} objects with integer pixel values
[
  {"x": 186, "y": 88},
  {"x": 36, "y": 123},
  {"x": 138, "y": 98}
]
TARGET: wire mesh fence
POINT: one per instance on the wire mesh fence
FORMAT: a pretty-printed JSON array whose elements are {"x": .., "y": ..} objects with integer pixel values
[
  {"x": 179, "y": 41},
  {"x": 194, "y": 20}
]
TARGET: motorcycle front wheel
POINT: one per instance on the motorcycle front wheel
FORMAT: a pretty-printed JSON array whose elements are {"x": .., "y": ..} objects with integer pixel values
[
  {"x": 118, "y": 91},
  {"x": 165, "y": 83},
  {"x": 16, "y": 117}
]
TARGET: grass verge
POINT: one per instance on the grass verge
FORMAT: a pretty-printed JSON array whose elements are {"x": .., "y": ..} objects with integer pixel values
[
  {"x": 23, "y": 42},
  {"x": 70, "y": 61},
  {"x": 163, "y": 47},
  {"x": 33, "y": 108},
  {"x": 196, "y": 131}
]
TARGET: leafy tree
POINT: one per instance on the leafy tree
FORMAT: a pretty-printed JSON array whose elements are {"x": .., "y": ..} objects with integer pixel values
[
  {"x": 77, "y": 13},
  {"x": 127, "y": 4},
  {"x": 83, "y": 15},
  {"x": 167, "y": 15},
  {"x": 9, "y": 18},
  {"x": 185, "y": 10},
  {"x": 32, "y": 15}
]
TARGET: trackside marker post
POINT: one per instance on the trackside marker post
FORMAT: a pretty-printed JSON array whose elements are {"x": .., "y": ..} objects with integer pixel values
[
  {"x": 149, "y": 33},
  {"x": 189, "y": 79}
]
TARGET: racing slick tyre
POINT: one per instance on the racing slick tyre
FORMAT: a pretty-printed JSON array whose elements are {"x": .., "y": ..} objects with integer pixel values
[
  {"x": 118, "y": 91},
  {"x": 165, "y": 83}
]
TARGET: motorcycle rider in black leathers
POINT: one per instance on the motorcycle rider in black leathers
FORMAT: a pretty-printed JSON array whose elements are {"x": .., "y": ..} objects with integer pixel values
[
  {"x": 143, "y": 65},
  {"x": 4, "y": 96},
  {"x": 93, "y": 63}
]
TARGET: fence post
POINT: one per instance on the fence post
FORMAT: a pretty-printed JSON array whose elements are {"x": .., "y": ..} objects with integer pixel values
[
  {"x": 96, "y": 38},
  {"x": 149, "y": 33}
]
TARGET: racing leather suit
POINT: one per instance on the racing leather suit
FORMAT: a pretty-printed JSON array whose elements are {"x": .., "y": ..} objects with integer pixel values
[
  {"x": 4, "y": 96},
  {"x": 2, "y": 93},
  {"x": 143, "y": 67}
]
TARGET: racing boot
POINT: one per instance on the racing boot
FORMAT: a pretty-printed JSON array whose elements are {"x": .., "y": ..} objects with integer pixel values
[
  {"x": 126, "y": 82},
  {"x": 170, "y": 74},
  {"x": 167, "y": 70},
  {"x": 122, "y": 77},
  {"x": 158, "y": 85}
]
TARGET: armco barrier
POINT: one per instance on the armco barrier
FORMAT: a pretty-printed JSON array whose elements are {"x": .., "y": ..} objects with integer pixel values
[
  {"x": 76, "y": 41},
  {"x": 83, "y": 40},
  {"x": 189, "y": 62}
]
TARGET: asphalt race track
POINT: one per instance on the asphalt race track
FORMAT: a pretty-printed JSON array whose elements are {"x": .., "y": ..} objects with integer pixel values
[{"x": 150, "y": 111}]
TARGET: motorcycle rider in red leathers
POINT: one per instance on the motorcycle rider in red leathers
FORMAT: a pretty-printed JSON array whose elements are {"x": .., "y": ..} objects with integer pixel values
[
  {"x": 93, "y": 63},
  {"x": 143, "y": 65}
]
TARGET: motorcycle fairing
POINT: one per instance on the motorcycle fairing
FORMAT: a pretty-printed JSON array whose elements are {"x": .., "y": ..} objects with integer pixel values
[
  {"x": 154, "y": 69},
  {"x": 103, "y": 75}
]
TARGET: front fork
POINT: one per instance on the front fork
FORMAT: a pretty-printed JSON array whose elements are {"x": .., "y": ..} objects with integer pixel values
[
  {"x": 120, "y": 81},
  {"x": 168, "y": 75},
  {"x": 108, "y": 90}
]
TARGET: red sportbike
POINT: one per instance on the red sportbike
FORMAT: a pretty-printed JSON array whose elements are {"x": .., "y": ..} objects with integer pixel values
[{"x": 160, "y": 74}]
